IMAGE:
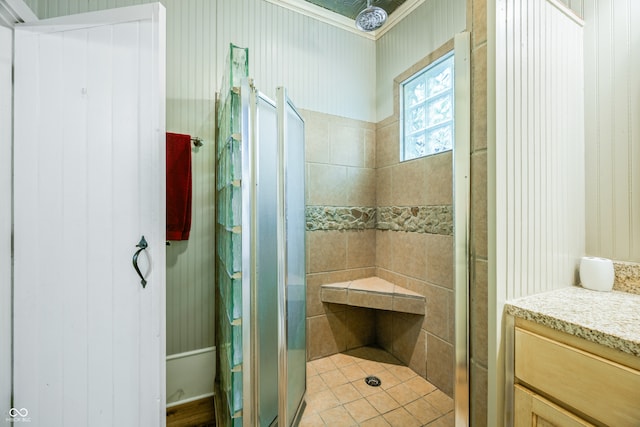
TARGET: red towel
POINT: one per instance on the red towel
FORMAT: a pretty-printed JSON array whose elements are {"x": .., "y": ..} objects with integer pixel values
[{"x": 178, "y": 186}]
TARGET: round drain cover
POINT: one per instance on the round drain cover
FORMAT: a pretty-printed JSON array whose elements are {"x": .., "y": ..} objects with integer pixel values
[{"x": 373, "y": 381}]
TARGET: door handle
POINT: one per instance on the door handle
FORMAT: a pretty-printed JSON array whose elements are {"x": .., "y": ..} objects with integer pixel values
[{"x": 142, "y": 245}]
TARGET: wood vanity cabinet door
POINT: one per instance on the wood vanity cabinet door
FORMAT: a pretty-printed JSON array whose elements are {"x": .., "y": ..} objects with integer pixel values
[{"x": 532, "y": 410}]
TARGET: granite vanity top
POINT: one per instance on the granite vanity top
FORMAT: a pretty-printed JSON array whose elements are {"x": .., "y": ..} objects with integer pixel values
[{"x": 611, "y": 319}]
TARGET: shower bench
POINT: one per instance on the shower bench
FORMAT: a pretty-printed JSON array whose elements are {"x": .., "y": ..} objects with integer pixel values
[{"x": 374, "y": 292}]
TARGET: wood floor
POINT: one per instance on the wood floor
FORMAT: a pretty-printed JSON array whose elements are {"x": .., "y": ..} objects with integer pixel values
[{"x": 199, "y": 413}]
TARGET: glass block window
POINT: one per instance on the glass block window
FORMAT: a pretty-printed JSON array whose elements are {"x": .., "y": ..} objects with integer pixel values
[{"x": 426, "y": 111}]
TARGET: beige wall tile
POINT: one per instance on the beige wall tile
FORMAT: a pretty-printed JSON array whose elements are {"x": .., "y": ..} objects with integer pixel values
[
  {"x": 327, "y": 250},
  {"x": 479, "y": 98},
  {"x": 370, "y": 148},
  {"x": 346, "y": 145},
  {"x": 479, "y": 313},
  {"x": 316, "y": 138},
  {"x": 437, "y": 318},
  {"x": 439, "y": 179},
  {"x": 314, "y": 304},
  {"x": 409, "y": 305},
  {"x": 417, "y": 286},
  {"x": 328, "y": 335},
  {"x": 371, "y": 300},
  {"x": 479, "y": 32},
  {"x": 387, "y": 140},
  {"x": 439, "y": 260},
  {"x": 383, "y": 186},
  {"x": 361, "y": 187},
  {"x": 408, "y": 182},
  {"x": 361, "y": 327},
  {"x": 440, "y": 364},
  {"x": 408, "y": 251},
  {"x": 479, "y": 392},
  {"x": 384, "y": 329},
  {"x": 393, "y": 277},
  {"x": 479, "y": 204},
  {"x": 326, "y": 185},
  {"x": 334, "y": 295},
  {"x": 409, "y": 342},
  {"x": 361, "y": 248},
  {"x": 384, "y": 251}
]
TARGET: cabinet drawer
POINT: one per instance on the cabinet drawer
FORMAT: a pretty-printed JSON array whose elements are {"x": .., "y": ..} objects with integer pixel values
[
  {"x": 534, "y": 410},
  {"x": 603, "y": 390}
]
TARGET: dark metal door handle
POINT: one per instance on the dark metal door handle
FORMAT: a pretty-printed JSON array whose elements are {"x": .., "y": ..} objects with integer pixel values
[{"x": 142, "y": 245}]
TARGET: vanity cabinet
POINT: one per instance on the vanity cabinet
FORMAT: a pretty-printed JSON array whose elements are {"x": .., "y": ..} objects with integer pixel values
[{"x": 562, "y": 380}]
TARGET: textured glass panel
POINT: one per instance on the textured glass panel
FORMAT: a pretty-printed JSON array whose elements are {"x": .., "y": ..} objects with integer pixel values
[
  {"x": 416, "y": 147},
  {"x": 267, "y": 260},
  {"x": 229, "y": 239},
  {"x": 415, "y": 92},
  {"x": 428, "y": 111},
  {"x": 237, "y": 68},
  {"x": 440, "y": 110},
  {"x": 440, "y": 139},
  {"x": 415, "y": 119},
  {"x": 441, "y": 79},
  {"x": 295, "y": 268}
]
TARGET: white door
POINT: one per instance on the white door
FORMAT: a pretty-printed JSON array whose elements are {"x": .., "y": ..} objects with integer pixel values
[
  {"x": 6, "y": 55},
  {"x": 89, "y": 340}
]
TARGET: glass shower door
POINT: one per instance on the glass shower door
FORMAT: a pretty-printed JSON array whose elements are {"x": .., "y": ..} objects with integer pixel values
[
  {"x": 292, "y": 289},
  {"x": 265, "y": 279}
]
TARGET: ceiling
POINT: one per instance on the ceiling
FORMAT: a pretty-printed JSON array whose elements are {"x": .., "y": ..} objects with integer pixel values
[{"x": 351, "y": 8}]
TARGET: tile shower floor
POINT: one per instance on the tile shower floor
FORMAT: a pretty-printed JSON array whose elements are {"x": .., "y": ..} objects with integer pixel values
[{"x": 337, "y": 394}]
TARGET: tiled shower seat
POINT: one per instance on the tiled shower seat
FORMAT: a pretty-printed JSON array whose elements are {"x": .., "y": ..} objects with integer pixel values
[{"x": 374, "y": 292}]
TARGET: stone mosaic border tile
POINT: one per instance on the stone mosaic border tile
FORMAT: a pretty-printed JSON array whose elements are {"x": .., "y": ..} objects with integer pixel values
[
  {"x": 417, "y": 219},
  {"x": 340, "y": 218},
  {"x": 420, "y": 219}
]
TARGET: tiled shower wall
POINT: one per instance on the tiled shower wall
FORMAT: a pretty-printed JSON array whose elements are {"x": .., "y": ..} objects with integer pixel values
[
  {"x": 340, "y": 160},
  {"x": 478, "y": 286},
  {"x": 419, "y": 261},
  {"x": 356, "y": 165}
]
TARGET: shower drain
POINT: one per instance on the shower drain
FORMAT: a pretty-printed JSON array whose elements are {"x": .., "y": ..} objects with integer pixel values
[{"x": 373, "y": 381}]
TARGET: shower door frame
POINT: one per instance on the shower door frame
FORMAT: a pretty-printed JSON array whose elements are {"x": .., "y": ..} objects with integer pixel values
[
  {"x": 251, "y": 339},
  {"x": 461, "y": 218},
  {"x": 282, "y": 104}
]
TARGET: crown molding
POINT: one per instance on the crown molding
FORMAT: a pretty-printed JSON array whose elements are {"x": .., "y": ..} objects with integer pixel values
[
  {"x": 323, "y": 15},
  {"x": 15, "y": 11}
]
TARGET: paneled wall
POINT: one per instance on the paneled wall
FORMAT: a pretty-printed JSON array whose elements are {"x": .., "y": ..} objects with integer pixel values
[
  {"x": 538, "y": 188},
  {"x": 612, "y": 101},
  {"x": 539, "y": 148},
  {"x": 428, "y": 27},
  {"x": 324, "y": 69},
  {"x": 317, "y": 62},
  {"x": 6, "y": 63}
]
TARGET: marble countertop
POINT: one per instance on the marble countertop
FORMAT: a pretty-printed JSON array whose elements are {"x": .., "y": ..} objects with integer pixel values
[{"x": 611, "y": 319}]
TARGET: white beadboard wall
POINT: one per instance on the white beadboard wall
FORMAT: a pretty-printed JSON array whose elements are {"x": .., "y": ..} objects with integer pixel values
[
  {"x": 536, "y": 195},
  {"x": 324, "y": 68},
  {"x": 576, "y": 5},
  {"x": 540, "y": 180},
  {"x": 428, "y": 27},
  {"x": 612, "y": 100}
]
